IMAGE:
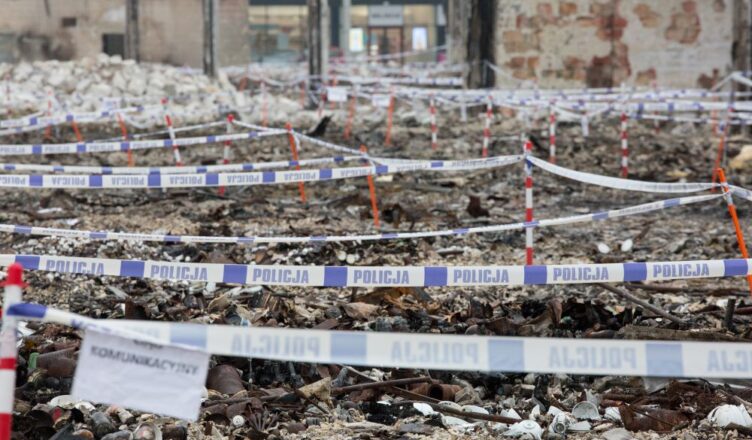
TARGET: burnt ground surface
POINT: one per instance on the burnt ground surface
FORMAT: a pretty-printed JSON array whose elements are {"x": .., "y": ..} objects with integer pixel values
[{"x": 267, "y": 394}]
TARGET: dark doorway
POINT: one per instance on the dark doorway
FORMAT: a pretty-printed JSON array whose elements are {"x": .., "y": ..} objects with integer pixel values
[{"x": 113, "y": 44}]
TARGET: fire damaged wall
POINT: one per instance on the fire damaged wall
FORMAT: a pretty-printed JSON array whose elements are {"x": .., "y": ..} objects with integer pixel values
[{"x": 572, "y": 43}]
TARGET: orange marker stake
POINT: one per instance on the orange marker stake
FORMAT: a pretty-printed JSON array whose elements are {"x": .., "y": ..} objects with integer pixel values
[
  {"x": 721, "y": 147},
  {"x": 294, "y": 148},
  {"x": 372, "y": 192},
  {"x": 389, "y": 115},
  {"x": 226, "y": 150},
  {"x": 79, "y": 138},
  {"x": 124, "y": 133},
  {"x": 48, "y": 129},
  {"x": 350, "y": 116},
  {"x": 735, "y": 218}
]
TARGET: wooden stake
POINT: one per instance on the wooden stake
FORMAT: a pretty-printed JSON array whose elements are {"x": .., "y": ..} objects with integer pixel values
[{"x": 79, "y": 138}]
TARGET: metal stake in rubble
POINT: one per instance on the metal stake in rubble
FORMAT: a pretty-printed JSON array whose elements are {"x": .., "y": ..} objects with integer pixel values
[
  {"x": 294, "y": 148},
  {"x": 13, "y": 285},
  {"x": 487, "y": 126},
  {"x": 372, "y": 192},
  {"x": 735, "y": 219},
  {"x": 226, "y": 149},
  {"x": 171, "y": 131},
  {"x": 528, "y": 149},
  {"x": 124, "y": 133}
]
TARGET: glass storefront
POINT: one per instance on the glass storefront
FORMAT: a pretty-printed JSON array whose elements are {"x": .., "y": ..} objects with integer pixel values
[
  {"x": 278, "y": 33},
  {"x": 393, "y": 29}
]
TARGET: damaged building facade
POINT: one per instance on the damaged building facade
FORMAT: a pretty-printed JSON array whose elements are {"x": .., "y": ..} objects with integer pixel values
[
  {"x": 597, "y": 43},
  {"x": 170, "y": 31},
  {"x": 556, "y": 43}
]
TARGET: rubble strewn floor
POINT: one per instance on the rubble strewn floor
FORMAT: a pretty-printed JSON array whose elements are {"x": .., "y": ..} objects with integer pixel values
[{"x": 255, "y": 398}]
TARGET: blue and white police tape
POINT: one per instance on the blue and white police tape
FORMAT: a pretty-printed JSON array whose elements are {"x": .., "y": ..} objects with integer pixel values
[
  {"x": 252, "y": 126},
  {"x": 612, "y": 357},
  {"x": 385, "y": 276},
  {"x": 174, "y": 169},
  {"x": 420, "y": 81},
  {"x": 98, "y": 181},
  {"x": 618, "y": 183},
  {"x": 174, "y": 130},
  {"x": 141, "y": 237},
  {"x": 108, "y": 147},
  {"x": 44, "y": 121},
  {"x": 325, "y": 144}
]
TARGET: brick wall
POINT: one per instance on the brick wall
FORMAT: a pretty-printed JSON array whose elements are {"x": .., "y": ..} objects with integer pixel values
[{"x": 572, "y": 43}]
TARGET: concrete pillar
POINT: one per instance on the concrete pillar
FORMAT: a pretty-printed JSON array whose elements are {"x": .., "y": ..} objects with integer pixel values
[
  {"x": 344, "y": 28},
  {"x": 472, "y": 39},
  {"x": 318, "y": 38},
  {"x": 210, "y": 11},
  {"x": 741, "y": 51},
  {"x": 131, "y": 30}
]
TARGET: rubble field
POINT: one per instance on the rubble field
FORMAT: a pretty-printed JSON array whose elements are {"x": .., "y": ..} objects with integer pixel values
[{"x": 260, "y": 399}]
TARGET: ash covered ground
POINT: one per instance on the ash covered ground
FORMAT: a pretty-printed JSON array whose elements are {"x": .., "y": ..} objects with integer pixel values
[{"x": 255, "y": 398}]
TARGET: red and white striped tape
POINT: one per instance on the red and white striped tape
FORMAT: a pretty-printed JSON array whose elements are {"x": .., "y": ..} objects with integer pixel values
[
  {"x": 171, "y": 131},
  {"x": 624, "y": 146},
  {"x": 226, "y": 148},
  {"x": 528, "y": 150},
  {"x": 13, "y": 285}
]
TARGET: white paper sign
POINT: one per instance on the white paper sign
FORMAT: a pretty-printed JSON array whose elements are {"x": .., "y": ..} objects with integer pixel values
[
  {"x": 380, "y": 100},
  {"x": 110, "y": 104},
  {"x": 336, "y": 94},
  {"x": 147, "y": 377}
]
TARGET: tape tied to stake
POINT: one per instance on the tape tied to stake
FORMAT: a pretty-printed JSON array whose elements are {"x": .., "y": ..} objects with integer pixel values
[
  {"x": 173, "y": 169},
  {"x": 123, "y": 146},
  {"x": 384, "y": 276},
  {"x": 432, "y": 351},
  {"x": 194, "y": 180},
  {"x": 144, "y": 237}
]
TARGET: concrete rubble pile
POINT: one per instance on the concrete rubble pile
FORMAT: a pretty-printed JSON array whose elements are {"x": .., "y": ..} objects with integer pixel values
[{"x": 83, "y": 85}]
